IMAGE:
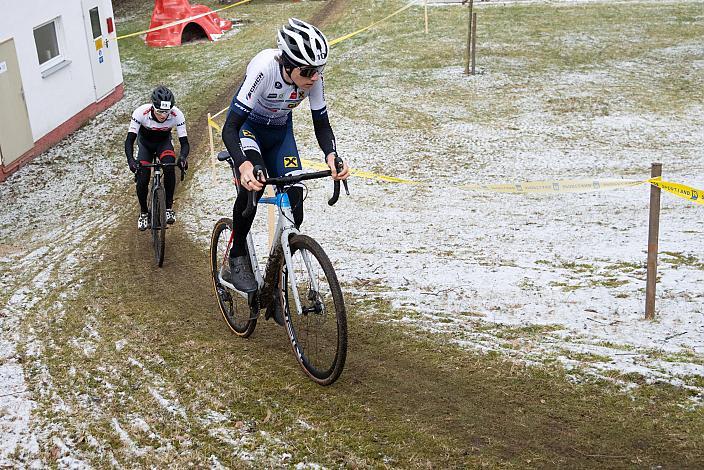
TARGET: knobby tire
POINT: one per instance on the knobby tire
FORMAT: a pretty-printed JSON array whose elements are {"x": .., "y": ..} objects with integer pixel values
[
  {"x": 234, "y": 308},
  {"x": 316, "y": 333},
  {"x": 158, "y": 220}
]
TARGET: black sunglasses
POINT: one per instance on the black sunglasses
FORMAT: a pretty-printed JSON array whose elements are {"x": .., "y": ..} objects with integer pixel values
[{"x": 308, "y": 72}]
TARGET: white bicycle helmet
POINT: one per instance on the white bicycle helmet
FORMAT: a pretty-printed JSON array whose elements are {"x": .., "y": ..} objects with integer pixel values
[{"x": 303, "y": 44}]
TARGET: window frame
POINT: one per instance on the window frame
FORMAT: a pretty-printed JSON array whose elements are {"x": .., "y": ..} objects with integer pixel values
[{"x": 60, "y": 60}]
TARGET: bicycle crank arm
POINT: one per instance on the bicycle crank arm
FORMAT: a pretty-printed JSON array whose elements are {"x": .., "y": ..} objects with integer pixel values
[{"x": 231, "y": 287}]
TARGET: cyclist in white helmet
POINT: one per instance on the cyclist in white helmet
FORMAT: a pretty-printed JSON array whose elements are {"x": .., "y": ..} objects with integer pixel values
[{"x": 259, "y": 126}]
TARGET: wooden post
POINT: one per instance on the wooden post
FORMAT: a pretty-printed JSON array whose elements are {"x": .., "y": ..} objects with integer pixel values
[
  {"x": 653, "y": 233},
  {"x": 211, "y": 163},
  {"x": 474, "y": 41},
  {"x": 469, "y": 37},
  {"x": 426, "y": 16},
  {"x": 210, "y": 134}
]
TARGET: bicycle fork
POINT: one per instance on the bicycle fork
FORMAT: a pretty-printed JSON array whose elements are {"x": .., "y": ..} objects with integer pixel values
[{"x": 313, "y": 288}]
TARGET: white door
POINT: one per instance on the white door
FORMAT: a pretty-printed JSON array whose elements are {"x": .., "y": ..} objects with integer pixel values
[
  {"x": 95, "y": 23},
  {"x": 15, "y": 131}
]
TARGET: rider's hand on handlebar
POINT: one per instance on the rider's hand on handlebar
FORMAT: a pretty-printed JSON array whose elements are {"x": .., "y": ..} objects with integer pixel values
[
  {"x": 247, "y": 179},
  {"x": 343, "y": 174},
  {"x": 133, "y": 164},
  {"x": 183, "y": 163}
]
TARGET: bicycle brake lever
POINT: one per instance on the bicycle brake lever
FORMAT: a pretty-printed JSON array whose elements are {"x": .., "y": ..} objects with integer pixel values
[
  {"x": 339, "y": 166},
  {"x": 251, "y": 204},
  {"x": 258, "y": 172}
]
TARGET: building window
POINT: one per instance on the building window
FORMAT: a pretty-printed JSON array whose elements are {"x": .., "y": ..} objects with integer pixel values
[
  {"x": 95, "y": 22},
  {"x": 47, "y": 39}
]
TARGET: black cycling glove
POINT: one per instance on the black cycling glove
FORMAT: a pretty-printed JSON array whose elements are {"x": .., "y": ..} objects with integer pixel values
[{"x": 133, "y": 164}]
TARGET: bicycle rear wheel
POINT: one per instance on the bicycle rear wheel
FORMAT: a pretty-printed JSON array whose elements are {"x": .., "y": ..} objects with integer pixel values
[
  {"x": 319, "y": 334},
  {"x": 158, "y": 220},
  {"x": 234, "y": 307}
]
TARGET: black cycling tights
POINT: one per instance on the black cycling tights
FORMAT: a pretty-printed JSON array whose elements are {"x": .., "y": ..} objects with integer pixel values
[
  {"x": 242, "y": 225},
  {"x": 143, "y": 177}
]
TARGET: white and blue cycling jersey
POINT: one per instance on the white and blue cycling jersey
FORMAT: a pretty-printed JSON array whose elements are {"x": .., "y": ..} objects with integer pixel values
[
  {"x": 260, "y": 122},
  {"x": 265, "y": 98}
]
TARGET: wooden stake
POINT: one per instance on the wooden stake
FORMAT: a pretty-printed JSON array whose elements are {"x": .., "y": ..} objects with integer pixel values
[
  {"x": 474, "y": 41},
  {"x": 653, "y": 234},
  {"x": 469, "y": 37},
  {"x": 212, "y": 148},
  {"x": 426, "y": 16}
]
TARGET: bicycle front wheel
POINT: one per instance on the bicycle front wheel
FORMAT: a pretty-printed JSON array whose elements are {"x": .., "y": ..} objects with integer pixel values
[
  {"x": 233, "y": 306},
  {"x": 158, "y": 220},
  {"x": 318, "y": 333}
]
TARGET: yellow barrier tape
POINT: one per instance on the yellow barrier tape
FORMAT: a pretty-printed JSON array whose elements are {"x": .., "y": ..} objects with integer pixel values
[
  {"x": 220, "y": 112},
  {"x": 535, "y": 187},
  {"x": 527, "y": 187},
  {"x": 680, "y": 190},
  {"x": 214, "y": 125},
  {"x": 347, "y": 36},
  {"x": 362, "y": 174},
  {"x": 186, "y": 20},
  {"x": 555, "y": 186}
]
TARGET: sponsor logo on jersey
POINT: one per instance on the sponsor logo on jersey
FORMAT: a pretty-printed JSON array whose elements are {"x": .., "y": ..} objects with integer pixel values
[
  {"x": 278, "y": 85},
  {"x": 246, "y": 133},
  {"x": 271, "y": 95},
  {"x": 237, "y": 105},
  {"x": 293, "y": 95},
  {"x": 290, "y": 162},
  {"x": 256, "y": 83},
  {"x": 292, "y": 105},
  {"x": 301, "y": 94}
]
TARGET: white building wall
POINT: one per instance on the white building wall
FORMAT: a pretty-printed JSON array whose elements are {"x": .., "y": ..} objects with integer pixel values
[{"x": 53, "y": 99}]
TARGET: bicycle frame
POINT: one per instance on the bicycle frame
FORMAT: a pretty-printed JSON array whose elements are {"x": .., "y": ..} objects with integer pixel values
[
  {"x": 285, "y": 228},
  {"x": 158, "y": 173},
  {"x": 156, "y": 181}
]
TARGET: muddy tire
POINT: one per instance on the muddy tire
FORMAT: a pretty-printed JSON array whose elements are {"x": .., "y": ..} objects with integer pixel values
[
  {"x": 158, "y": 223},
  {"x": 318, "y": 335},
  {"x": 233, "y": 306}
]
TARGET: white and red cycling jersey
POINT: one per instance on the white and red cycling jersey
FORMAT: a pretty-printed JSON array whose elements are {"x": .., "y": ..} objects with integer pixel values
[{"x": 144, "y": 124}]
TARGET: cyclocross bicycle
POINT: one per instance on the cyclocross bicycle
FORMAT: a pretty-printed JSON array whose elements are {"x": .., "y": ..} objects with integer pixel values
[
  {"x": 156, "y": 204},
  {"x": 298, "y": 273}
]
